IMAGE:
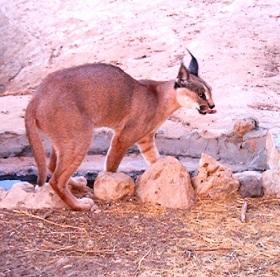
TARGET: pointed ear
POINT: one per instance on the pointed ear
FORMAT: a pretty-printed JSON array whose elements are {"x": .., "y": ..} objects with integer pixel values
[
  {"x": 183, "y": 74},
  {"x": 193, "y": 66}
]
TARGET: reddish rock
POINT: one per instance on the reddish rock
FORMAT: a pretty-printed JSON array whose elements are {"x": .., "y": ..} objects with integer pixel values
[
  {"x": 214, "y": 180},
  {"x": 243, "y": 126},
  {"x": 166, "y": 183}
]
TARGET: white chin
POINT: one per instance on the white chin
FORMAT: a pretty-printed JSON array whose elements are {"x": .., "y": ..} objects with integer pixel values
[{"x": 186, "y": 102}]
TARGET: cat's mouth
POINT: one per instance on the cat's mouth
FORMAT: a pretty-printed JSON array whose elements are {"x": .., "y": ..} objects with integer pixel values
[{"x": 205, "y": 110}]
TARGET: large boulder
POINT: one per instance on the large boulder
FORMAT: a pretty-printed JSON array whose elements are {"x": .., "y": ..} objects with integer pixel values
[
  {"x": 166, "y": 183},
  {"x": 110, "y": 186},
  {"x": 271, "y": 183},
  {"x": 271, "y": 177},
  {"x": 273, "y": 149},
  {"x": 214, "y": 180},
  {"x": 250, "y": 183}
]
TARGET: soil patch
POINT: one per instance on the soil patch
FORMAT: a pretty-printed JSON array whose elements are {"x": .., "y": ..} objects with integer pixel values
[{"x": 130, "y": 239}]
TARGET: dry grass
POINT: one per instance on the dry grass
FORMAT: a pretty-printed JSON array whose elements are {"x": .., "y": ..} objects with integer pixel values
[{"x": 129, "y": 239}]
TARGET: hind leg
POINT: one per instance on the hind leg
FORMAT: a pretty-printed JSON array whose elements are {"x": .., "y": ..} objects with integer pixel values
[
  {"x": 77, "y": 183},
  {"x": 69, "y": 157},
  {"x": 52, "y": 161}
]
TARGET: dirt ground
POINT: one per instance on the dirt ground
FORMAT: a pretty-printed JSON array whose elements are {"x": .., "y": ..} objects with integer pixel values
[{"x": 130, "y": 239}]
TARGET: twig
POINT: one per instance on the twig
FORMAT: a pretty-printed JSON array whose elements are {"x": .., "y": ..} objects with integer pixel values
[
  {"x": 268, "y": 200},
  {"x": 50, "y": 250},
  {"x": 210, "y": 249},
  {"x": 141, "y": 260},
  {"x": 243, "y": 212},
  {"x": 49, "y": 221},
  {"x": 70, "y": 247}
]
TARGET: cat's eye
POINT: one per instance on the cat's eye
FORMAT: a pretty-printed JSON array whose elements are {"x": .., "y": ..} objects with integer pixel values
[{"x": 201, "y": 93}]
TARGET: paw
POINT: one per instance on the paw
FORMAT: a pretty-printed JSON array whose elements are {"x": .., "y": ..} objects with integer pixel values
[{"x": 86, "y": 204}]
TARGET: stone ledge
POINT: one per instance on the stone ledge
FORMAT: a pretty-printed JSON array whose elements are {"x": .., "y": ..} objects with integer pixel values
[
  {"x": 249, "y": 151},
  {"x": 24, "y": 168}
]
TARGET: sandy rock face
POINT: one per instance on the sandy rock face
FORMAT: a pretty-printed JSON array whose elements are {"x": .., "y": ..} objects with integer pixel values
[
  {"x": 214, "y": 180},
  {"x": 167, "y": 183},
  {"x": 271, "y": 183},
  {"x": 250, "y": 183},
  {"x": 25, "y": 195},
  {"x": 110, "y": 186}
]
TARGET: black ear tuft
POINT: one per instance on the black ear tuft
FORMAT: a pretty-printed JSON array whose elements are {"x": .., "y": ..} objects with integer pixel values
[{"x": 193, "y": 66}]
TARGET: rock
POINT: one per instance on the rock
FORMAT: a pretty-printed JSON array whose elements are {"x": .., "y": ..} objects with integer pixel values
[
  {"x": 46, "y": 197},
  {"x": 271, "y": 183},
  {"x": 250, "y": 183},
  {"x": 243, "y": 126},
  {"x": 273, "y": 148},
  {"x": 17, "y": 196},
  {"x": 214, "y": 180},
  {"x": 166, "y": 183},
  {"x": 110, "y": 186},
  {"x": 2, "y": 193},
  {"x": 81, "y": 189},
  {"x": 25, "y": 195}
]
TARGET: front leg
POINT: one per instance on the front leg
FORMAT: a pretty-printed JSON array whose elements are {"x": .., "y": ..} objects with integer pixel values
[
  {"x": 148, "y": 148},
  {"x": 116, "y": 152}
]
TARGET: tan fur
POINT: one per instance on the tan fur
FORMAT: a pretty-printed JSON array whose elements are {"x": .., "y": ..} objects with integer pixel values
[{"x": 71, "y": 102}]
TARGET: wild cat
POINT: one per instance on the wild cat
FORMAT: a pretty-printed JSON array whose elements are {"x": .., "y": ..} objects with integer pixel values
[{"x": 71, "y": 102}]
